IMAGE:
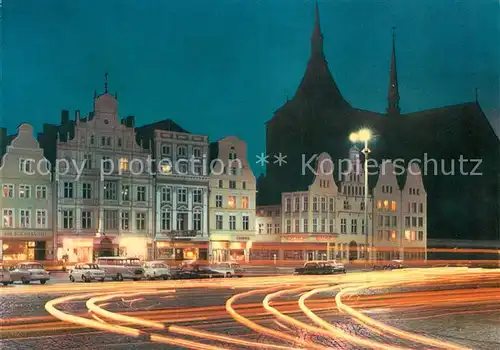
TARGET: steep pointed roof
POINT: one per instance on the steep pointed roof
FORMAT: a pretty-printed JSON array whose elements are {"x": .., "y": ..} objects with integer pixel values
[
  {"x": 317, "y": 82},
  {"x": 393, "y": 94}
]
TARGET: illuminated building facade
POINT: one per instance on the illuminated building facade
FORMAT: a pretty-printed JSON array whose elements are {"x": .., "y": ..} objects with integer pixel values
[
  {"x": 181, "y": 191},
  {"x": 105, "y": 196},
  {"x": 307, "y": 221},
  {"x": 232, "y": 201},
  {"x": 26, "y": 203},
  {"x": 350, "y": 204},
  {"x": 400, "y": 220}
]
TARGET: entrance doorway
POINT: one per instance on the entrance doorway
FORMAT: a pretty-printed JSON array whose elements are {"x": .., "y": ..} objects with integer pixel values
[{"x": 353, "y": 251}]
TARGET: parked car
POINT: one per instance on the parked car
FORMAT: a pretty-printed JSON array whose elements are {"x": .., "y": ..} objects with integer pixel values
[
  {"x": 229, "y": 269},
  {"x": 392, "y": 265},
  {"x": 27, "y": 272},
  {"x": 337, "y": 267},
  {"x": 4, "y": 275},
  {"x": 196, "y": 271},
  {"x": 320, "y": 267},
  {"x": 86, "y": 273},
  {"x": 156, "y": 269}
]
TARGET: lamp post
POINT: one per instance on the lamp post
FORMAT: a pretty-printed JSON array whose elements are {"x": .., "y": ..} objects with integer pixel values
[{"x": 364, "y": 135}]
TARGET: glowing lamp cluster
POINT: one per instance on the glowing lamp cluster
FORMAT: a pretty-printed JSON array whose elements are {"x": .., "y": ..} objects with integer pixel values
[{"x": 362, "y": 135}]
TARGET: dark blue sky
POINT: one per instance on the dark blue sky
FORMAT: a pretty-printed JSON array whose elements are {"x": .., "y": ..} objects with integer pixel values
[{"x": 222, "y": 67}]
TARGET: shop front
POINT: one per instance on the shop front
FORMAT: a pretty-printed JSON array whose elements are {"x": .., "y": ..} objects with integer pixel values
[
  {"x": 181, "y": 250},
  {"x": 19, "y": 245},
  {"x": 75, "y": 249}
]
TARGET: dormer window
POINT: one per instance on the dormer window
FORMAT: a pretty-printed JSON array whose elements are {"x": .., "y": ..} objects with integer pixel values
[{"x": 232, "y": 153}]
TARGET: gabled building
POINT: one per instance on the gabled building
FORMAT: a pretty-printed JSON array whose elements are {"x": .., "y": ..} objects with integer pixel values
[
  {"x": 232, "y": 200},
  {"x": 103, "y": 184},
  {"x": 400, "y": 219},
  {"x": 350, "y": 210},
  {"x": 181, "y": 190},
  {"x": 26, "y": 201}
]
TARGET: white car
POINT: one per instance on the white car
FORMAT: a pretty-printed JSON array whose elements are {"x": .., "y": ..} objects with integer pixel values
[
  {"x": 86, "y": 273},
  {"x": 4, "y": 275},
  {"x": 229, "y": 269},
  {"x": 27, "y": 272},
  {"x": 156, "y": 269}
]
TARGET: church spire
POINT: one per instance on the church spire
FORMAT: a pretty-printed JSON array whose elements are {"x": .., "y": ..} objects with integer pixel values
[
  {"x": 393, "y": 96},
  {"x": 317, "y": 36}
]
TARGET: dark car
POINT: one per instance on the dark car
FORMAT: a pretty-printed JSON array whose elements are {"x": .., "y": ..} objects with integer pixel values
[
  {"x": 196, "y": 272},
  {"x": 319, "y": 268},
  {"x": 392, "y": 265}
]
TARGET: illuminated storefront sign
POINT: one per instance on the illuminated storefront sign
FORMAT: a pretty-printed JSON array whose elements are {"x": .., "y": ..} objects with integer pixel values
[{"x": 25, "y": 234}]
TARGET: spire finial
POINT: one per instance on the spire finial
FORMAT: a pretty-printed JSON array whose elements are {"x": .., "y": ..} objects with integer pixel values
[
  {"x": 106, "y": 82},
  {"x": 317, "y": 36},
  {"x": 393, "y": 95}
]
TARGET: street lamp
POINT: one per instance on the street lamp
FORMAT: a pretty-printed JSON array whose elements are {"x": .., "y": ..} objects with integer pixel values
[{"x": 363, "y": 136}]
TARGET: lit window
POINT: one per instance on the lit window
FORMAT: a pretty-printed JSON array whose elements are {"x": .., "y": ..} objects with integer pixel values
[
  {"x": 393, "y": 205},
  {"x": 123, "y": 164},
  {"x": 386, "y": 205},
  {"x": 8, "y": 191},
  {"x": 413, "y": 235},
  {"x": 379, "y": 204},
  {"x": 244, "y": 202},
  {"x": 407, "y": 234},
  {"x": 231, "y": 202},
  {"x": 393, "y": 235}
]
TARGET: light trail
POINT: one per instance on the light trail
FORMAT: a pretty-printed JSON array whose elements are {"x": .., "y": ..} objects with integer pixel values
[{"x": 413, "y": 293}]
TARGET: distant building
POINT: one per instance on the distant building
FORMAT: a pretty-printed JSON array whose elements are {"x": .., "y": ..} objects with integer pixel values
[
  {"x": 181, "y": 191},
  {"x": 318, "y": 118},
  {"x": 232, "y": 201},
  {"x": 26, "y": 204},
  {"x": 268, "y": 220},
  {"x": 105, "y": 197}
]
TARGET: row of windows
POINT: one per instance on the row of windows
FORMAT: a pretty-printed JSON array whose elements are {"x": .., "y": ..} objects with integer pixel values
[
  {"x": 167, "y": 223},
  {"x": 110, "y": 191},
  {"x": 393, "y": 235},
  {"x": 113, "y": 220},
  {"x": 232, "y": 184},
  {"x": 220, "y": 224},
  {"x": 182, "y": 150},
  {"x": 318, "y": 225},
  {"x": 24, "y": 191},
  {"x": 182, "y": 194},
  {"x": 305, "y": 204},
  {"x": 354, "y": 226},
  {"x": 353, "y": 190},
  {"x": 414, "y": 191},
  {"x": 25, "y": 218},
  {"x": 269, "y": 228},
  {"x": 386, "y": 205},
  {"x": 231, "y": 202}
]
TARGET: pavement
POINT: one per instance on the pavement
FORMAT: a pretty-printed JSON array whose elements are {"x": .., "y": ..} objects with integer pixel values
[{"x": 441, "y": 308}]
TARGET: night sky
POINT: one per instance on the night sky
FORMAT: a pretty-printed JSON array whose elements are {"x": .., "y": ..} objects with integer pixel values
[{"x": 222, "y": 67}]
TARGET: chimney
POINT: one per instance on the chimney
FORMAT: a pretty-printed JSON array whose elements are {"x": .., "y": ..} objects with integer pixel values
[
  {"x": 64, "y": 117},
  {"x": 3, "y": 137},
  {"x": 77, "y": 116}
]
